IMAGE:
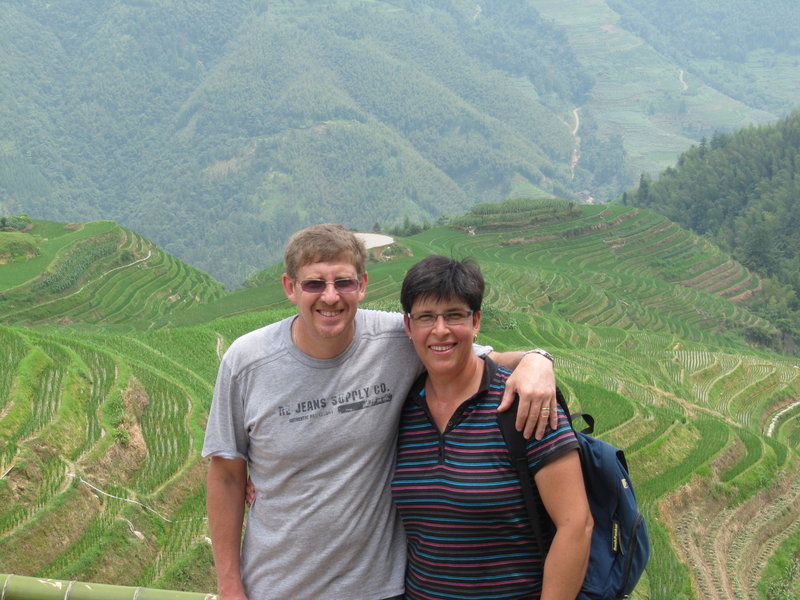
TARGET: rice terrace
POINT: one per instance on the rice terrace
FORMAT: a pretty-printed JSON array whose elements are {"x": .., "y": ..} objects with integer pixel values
[{"x": 110, "y": 348}]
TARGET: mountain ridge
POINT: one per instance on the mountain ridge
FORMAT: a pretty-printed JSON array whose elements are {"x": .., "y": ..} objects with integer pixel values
[{"x": 217, "y": 132}]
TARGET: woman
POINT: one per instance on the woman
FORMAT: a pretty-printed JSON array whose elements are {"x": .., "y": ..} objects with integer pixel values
[{"x": 454, "y": 486}]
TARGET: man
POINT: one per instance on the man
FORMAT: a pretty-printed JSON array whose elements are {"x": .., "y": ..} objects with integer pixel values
[{"x": 309, "y": 406}]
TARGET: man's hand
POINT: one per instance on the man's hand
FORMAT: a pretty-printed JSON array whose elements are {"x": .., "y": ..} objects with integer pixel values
[
  {"x": 534, "y": 381},
  {"x": 249, "y": 492}
]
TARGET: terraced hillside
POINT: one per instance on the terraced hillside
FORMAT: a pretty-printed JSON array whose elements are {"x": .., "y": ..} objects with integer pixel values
[
  {"x": 95, "y": 272},
  {"x": 100, "y": 426}
]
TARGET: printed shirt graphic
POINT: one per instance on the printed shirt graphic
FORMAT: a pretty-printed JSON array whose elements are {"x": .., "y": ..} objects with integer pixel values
[
  {"x": 320, "y": 438},
  {"x": 461, "y": 503}
]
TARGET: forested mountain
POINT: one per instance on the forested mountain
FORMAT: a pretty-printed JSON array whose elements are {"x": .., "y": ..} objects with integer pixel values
[
  {"x": 742, "y": 190},
  {"x": 217, "y": 129}
]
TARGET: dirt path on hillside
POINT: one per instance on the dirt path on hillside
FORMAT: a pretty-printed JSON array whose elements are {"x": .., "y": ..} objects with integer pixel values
[
  {"x": 576, "y": 151},
  {"x": 101, "y": 492},
  {"x": 683, "y": 81},
  {"x": 777, "y": 417}
]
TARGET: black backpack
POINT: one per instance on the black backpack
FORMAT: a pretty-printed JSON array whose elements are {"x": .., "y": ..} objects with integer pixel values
[{"x": 620, "y": 542}]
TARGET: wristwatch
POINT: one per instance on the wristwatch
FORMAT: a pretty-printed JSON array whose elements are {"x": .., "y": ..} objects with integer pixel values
[{"x": 541, "y": 351}]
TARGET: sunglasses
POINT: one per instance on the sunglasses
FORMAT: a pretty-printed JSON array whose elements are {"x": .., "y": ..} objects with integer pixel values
[{"x": 317, "y": 286}]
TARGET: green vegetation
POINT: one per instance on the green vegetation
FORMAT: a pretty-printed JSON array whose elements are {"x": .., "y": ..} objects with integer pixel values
[
  {"x": 218, "y": 129},
  {"x": 101, "y": 273},
  {"x": 44, "y": 241},
  {"x": 391, "y": 109},
  {"x": 724, "y": 48},
  {"x": 16, "y": 247},
  {"x": 740, "y": 190},
  {"x": 15, "y": 223},
  {"x": 189, "y": 121},
  {"x": 104, "y": 417},
  {"x": 666, "y": 75}
]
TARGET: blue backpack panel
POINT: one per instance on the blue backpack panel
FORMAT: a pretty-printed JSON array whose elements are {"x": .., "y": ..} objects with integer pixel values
[{"x": 620, "y": 542}]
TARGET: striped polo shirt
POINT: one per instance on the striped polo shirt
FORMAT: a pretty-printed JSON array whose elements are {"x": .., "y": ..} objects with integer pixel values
[{"x": 460, "y": 499}]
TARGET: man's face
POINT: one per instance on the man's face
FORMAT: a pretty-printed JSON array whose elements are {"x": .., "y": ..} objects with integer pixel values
[{"x": 325, "y": 316}]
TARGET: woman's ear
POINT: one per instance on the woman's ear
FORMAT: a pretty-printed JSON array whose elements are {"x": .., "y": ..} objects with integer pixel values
[{"x": 407, "y": 324}]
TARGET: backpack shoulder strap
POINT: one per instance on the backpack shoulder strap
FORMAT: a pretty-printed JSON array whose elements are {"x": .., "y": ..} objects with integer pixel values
[
  {"x": 588, "y": 419},
  {"x": 518, "y": 450}
]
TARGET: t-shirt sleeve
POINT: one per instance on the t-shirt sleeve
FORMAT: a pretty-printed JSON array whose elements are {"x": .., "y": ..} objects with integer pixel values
[
  {"x": 481, "y": 350},
  {"x": 226, "y": 435},
  {"x": 555, "y": 443}
]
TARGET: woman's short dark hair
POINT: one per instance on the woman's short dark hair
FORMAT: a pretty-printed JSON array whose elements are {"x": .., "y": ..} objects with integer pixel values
[{"x": 437, "y": 277}]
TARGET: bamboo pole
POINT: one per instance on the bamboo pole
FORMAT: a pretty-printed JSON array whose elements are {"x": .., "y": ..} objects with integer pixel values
[{"x": 17, "y": 587}]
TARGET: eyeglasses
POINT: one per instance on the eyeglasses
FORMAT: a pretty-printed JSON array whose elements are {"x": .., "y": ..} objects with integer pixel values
[
  {"x": 451, "y": 317},
  {"x": 317, "y": 286}
]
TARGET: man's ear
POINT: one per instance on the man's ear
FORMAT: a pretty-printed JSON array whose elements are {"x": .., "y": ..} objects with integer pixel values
[
  {"x": 289, "y": 288},
  {"x": 362, "y": 290},
  {"x": 407, "y": 323}
]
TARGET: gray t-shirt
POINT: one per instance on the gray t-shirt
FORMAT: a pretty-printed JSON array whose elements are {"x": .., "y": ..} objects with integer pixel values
[{"x": 319, "y": 437}]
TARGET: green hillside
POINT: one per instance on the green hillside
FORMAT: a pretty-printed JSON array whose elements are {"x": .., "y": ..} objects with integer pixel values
[
  {"x": 217, "y": 129},
  {"x": 740, "y": 189},
  {"x": 666, "y": 74},
  {"x": 100, "y": 424},
  {"x": 94, "y": 272}
]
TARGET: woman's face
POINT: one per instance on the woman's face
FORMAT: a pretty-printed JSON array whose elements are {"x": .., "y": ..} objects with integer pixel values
[{"x": 442, "y": 332}]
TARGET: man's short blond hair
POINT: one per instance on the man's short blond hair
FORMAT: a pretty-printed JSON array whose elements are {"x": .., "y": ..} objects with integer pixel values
[{"x": 324, "y": 243}]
